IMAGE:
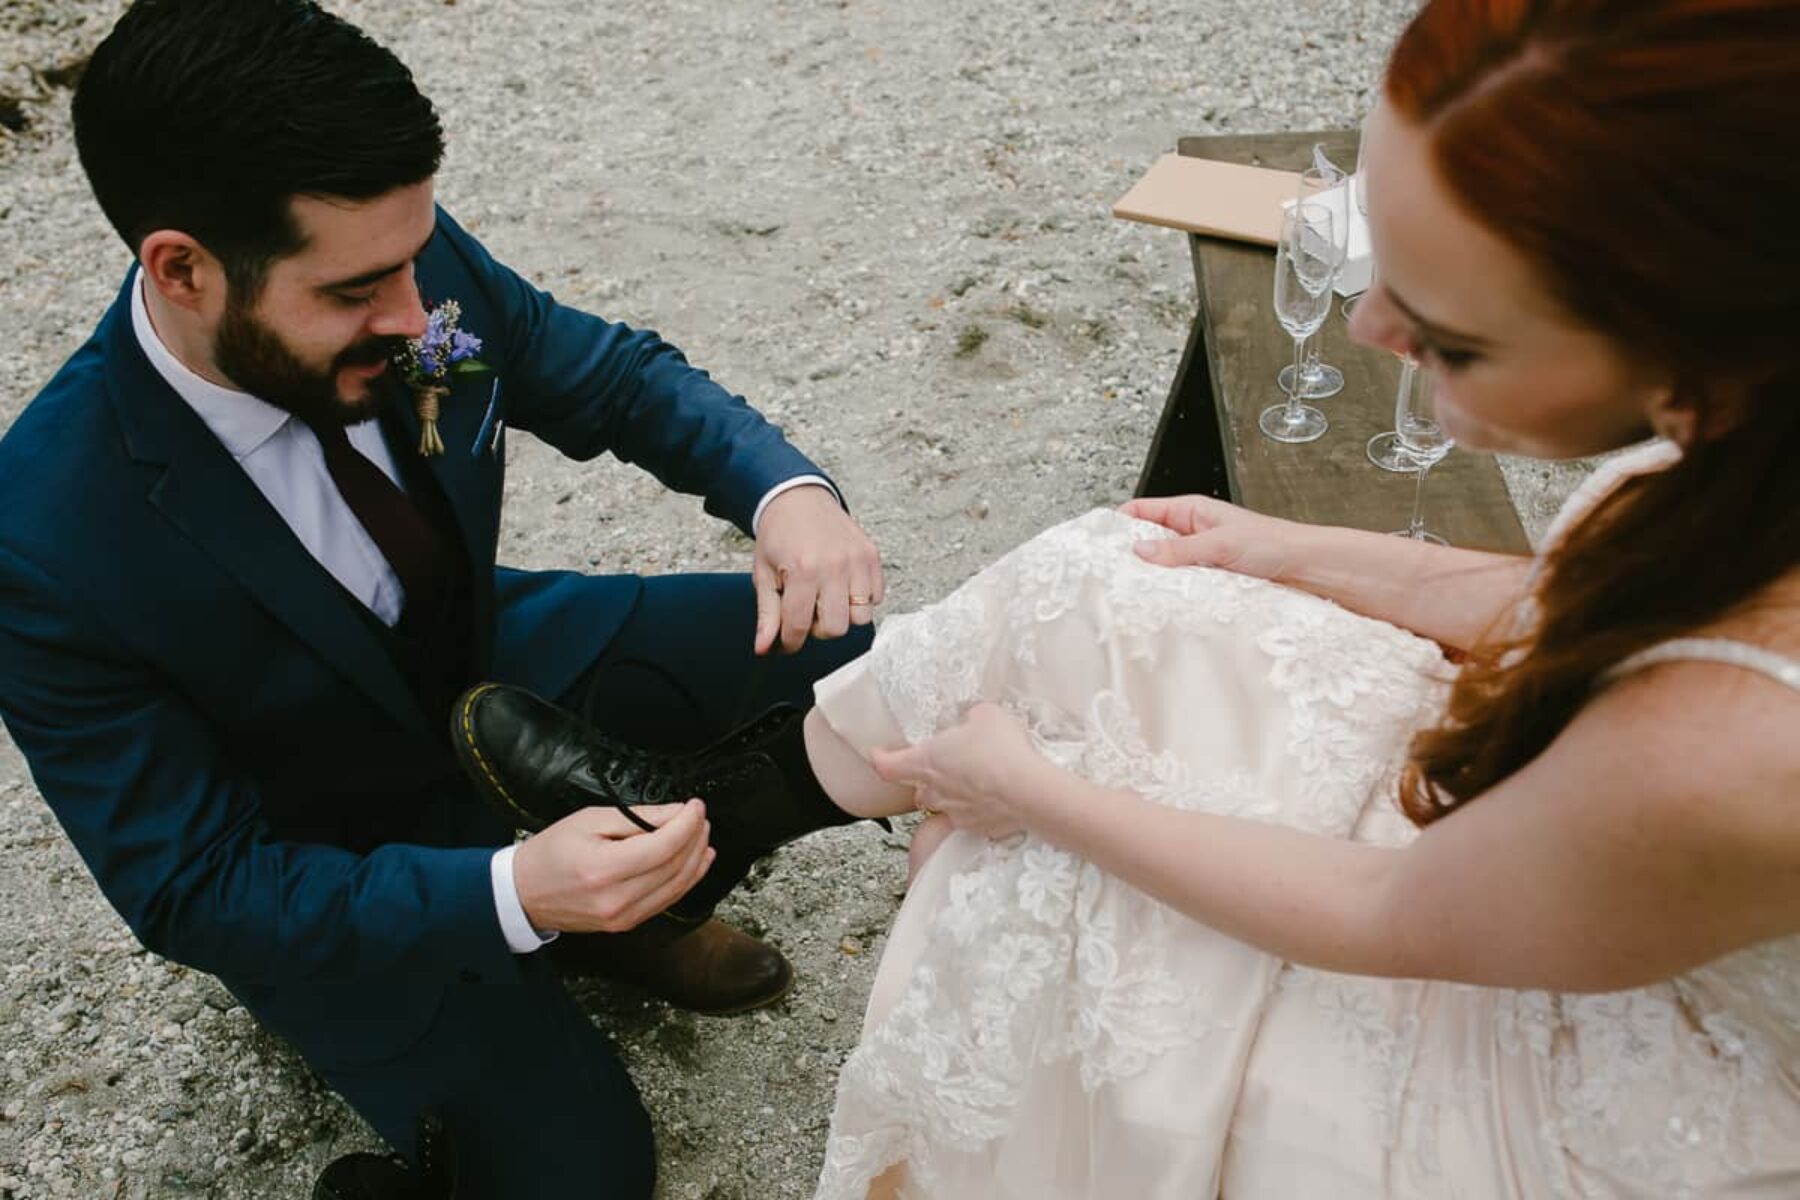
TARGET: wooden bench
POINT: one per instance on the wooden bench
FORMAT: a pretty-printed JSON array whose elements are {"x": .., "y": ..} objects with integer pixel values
[{"x": 1207, "y": 439}]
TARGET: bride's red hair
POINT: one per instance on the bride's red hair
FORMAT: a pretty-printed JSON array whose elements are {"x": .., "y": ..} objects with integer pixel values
[{"x": 1644, "y": 157}]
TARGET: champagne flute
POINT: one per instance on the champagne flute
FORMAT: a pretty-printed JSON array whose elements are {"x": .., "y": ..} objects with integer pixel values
[
  {"x": 1318, "y": 379},
  {"x": 1384, "y": 449},
  {"x": 1305, "y": 264},
  {"x": 1423, "y": 439}
]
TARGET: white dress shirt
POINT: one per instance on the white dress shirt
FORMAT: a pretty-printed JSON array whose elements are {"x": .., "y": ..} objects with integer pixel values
[{"x": 283, "y": 459}]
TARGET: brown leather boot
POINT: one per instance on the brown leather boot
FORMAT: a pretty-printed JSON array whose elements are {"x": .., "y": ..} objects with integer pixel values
[{"x": 709, "y": 968}]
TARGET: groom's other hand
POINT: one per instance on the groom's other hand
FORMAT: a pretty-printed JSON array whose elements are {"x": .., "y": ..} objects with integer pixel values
[
  {"x": 596, "y": 872},
  {"x": 816, "y": 571}
]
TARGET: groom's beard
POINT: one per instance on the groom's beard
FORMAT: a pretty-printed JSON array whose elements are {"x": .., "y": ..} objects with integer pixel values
[{"x": 253, "y": 356}]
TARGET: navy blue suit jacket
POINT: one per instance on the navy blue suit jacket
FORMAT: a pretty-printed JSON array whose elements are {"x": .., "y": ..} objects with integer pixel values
[{"x": 217, "y": 726}]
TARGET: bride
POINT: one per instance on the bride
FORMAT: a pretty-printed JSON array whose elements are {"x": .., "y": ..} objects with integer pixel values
[
  {"x": 1182, "y": 942},
  {"x": 1240, "y": 888}
]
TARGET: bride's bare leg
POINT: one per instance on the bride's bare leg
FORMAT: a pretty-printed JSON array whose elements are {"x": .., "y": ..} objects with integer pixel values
[
  {"x": 854, "y": 787},
  {"x": 847, "y": 776}
]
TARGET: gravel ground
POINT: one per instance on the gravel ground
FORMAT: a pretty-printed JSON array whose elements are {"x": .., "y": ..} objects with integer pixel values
[{"x": 885, "y": 223}]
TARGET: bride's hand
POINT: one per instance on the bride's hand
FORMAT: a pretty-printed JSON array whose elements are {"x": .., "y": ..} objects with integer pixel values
[
  {"x": 1214, "y": 533},
  {"x": 978, "y": 773}
]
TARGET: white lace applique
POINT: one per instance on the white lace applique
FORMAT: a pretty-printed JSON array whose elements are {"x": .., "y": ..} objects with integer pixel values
[
  {"x": 1050, "y": 964},
  {"x": 929, "y": 679},
  {"x": 1072, "y": 962},
  {"x": 1656, "y": 1086},
  {"x": 1353, "y": 706},
  {"x": 1373, "y": 1023},
  {"x": 1625, "y": 1047}
]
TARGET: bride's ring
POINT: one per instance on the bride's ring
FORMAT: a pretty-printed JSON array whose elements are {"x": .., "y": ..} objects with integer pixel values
[{"x": 862, "y": 602}]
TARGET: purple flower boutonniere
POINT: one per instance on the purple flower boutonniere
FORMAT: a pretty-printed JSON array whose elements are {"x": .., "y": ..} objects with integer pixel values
[{"x": 427, "y": 364}]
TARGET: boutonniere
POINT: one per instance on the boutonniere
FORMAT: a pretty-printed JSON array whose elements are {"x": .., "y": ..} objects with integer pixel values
[{"x": 427, "y": 364}]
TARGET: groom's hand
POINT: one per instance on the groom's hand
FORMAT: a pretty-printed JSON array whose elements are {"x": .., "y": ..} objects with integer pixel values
[
  {"x": 596, "y": 872},
  {"x": 816, "y": 571}
]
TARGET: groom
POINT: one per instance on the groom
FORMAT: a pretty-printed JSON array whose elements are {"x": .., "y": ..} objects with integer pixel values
[{"x": 247, "y": 560}]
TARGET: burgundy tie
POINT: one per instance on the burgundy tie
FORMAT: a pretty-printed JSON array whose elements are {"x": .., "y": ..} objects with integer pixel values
[{"x": 405, "y": 538}]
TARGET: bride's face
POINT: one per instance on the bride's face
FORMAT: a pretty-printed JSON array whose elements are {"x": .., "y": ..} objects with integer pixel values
[{"x": 1516, "y": 374}]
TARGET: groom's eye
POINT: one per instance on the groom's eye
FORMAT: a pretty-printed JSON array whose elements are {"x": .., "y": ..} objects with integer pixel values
[{"x": 357, "y": 299}]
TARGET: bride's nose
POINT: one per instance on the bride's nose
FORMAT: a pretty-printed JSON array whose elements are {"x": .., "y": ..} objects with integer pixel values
[{"x": 1375, "y": 321}]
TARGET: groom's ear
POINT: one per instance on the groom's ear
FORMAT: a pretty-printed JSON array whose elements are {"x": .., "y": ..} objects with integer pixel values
[{"x": 182, "y": 271}]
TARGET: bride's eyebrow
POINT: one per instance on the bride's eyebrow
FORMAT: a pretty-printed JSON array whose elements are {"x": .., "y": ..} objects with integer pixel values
[{"x": 1432, "y": 329}]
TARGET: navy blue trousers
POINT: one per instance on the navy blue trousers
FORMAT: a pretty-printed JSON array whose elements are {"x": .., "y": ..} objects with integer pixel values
[{"x": 534, "y": 1096}]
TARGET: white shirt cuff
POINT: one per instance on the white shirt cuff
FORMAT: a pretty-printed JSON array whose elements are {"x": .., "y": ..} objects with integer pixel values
[
  {"x": 788, "y": 485},
  {"x": 521, "y": 937}
]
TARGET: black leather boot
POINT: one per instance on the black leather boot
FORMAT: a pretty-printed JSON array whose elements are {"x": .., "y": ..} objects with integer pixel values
[
  {"x": 539, "y": 763},
  {"x": 364, "y": 1176}
]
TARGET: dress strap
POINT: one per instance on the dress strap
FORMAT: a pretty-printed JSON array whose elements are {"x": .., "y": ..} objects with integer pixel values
[
  {"x": 1655, "y": 455},
  {"x": 1643, "y": 459},
  {"x": 1778, "y": 667}
]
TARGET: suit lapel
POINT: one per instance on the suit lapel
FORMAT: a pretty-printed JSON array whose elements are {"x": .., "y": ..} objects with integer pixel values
[{"x": 205, "y": 494}]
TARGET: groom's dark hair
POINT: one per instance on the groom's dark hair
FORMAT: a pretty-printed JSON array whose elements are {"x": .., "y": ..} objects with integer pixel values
[{"x": 209, "y": 116}]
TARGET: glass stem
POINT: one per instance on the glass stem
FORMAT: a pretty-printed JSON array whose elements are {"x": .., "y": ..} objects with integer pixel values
[
  {"x": 1415, "y": 528},
  {"x": 1293, "y": 396},
  {"x": 1312, "y": 357},
  {"x": 1403, "y": 395}
]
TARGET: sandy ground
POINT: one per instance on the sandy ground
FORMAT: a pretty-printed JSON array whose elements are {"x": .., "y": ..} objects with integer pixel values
[{"x": 885, "y": 223}]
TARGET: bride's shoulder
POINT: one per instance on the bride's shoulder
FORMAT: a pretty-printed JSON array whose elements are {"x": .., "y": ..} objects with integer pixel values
[
  {"x": 1716, "y": 711},
  {"x": 1761, "y": 634}
]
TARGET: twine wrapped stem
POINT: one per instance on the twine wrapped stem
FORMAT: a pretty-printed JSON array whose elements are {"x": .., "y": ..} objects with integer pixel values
[{"x": 427, "y": 400}]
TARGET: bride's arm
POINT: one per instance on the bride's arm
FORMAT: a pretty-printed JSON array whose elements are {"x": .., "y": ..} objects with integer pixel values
[
  {"x": 1656, "y": 834},
  {"x": 1450, "y": 595}
]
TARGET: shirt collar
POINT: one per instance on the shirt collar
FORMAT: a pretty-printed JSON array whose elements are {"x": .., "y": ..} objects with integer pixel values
[{"x": 239, "y": 420}]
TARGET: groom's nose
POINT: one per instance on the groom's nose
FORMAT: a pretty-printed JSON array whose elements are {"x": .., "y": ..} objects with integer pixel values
[{"x": 399, "y": 312}]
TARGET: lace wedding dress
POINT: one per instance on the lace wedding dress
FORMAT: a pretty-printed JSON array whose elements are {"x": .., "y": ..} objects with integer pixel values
[{"x": 1039, "y": 1030}]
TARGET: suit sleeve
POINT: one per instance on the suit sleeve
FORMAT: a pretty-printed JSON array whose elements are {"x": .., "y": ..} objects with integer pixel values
[
  {"x": 174, "y": 836},
  {"x": 587, "y": 386}
]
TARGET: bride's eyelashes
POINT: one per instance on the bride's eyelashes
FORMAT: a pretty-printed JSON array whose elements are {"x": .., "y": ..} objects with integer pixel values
[
  {"x": 1445, "y": 358},
  {"x": 1451, "y": 360}
]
